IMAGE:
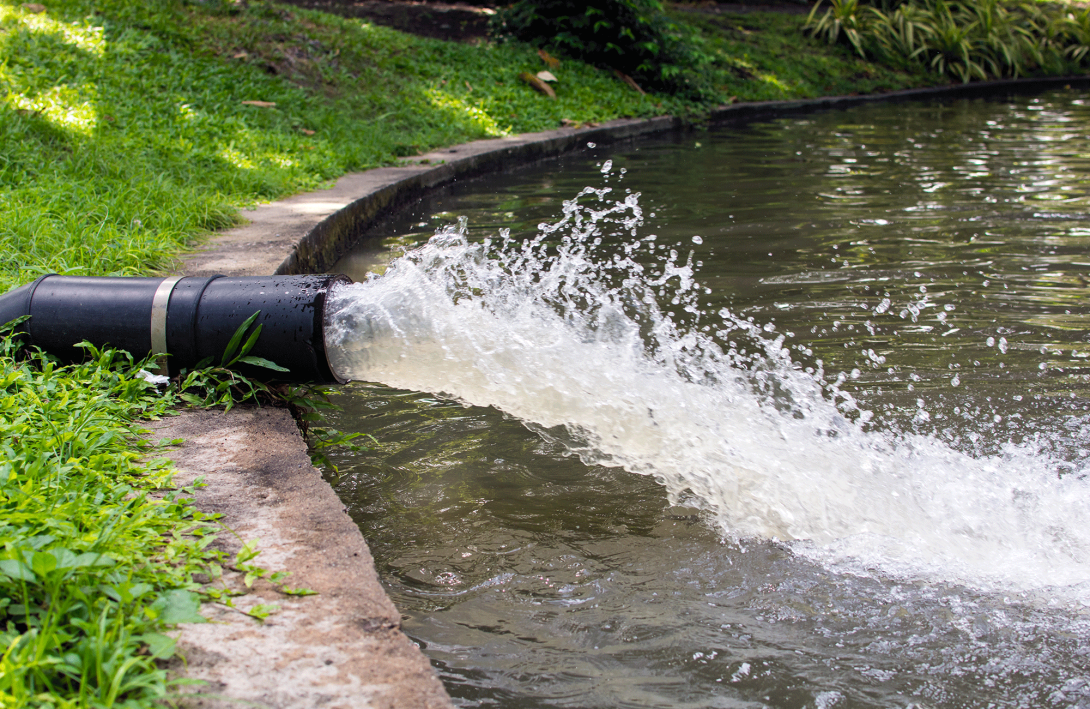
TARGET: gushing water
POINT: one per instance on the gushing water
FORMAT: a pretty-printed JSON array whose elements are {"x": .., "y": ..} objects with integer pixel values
[{"x": 594, "y": 334}]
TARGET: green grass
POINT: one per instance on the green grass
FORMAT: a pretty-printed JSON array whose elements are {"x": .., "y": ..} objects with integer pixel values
[
  {"x": 766, "y": 56},
  {"x": 124, "y": 137},
  {"x": 94, "y": 565},
  {"x": 124, "y": 134}
]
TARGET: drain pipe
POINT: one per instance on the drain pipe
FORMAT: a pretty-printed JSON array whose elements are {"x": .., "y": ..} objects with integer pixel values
[{"x": 187, "y": 318}]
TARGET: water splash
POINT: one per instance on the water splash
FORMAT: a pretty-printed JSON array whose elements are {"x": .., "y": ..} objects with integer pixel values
[{"x": 593, "y": 334}]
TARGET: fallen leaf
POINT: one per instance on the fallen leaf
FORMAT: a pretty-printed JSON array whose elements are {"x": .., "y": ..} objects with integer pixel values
[
  {"x": 549, "y": 59},
  {"x": 546, "y": 76},
  {"x": 569, "y": 123},
  {"x": 241, "y": 55},
  {"x": 468, "y": 86},
  {"x": 537, "y": 84},
  {"x": 259, "y": 104},
  {"x": 35, "y": 7},
  {"x": 304, "y": 131},
  {"x": 630, "y": 81},
  {"x": 731, "y": 100}
]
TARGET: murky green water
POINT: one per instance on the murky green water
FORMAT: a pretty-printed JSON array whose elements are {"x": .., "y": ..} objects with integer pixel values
[{"x": 925, "y": 542}]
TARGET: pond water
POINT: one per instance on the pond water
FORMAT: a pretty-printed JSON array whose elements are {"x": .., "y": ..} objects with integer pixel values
[{"x": 790, "y": 414}]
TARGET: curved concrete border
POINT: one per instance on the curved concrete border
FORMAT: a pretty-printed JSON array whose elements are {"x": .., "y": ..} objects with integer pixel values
[
  {"x": 343, "y": 649},
  {"x": 317, "y": 228}
]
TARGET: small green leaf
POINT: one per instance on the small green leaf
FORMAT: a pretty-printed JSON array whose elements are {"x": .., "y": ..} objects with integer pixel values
[
  {"x": 43, "y": 562},
  {"x": 236, "y": 339},
  {"x": 160, "y": 646},
  {"x": 299, "y": 591},
  {"x": 262, "y": 610},
  {"x": 251, "y": 341},
  {"x": 253, "y": 574},
  {"x": 179, "y": 606},
  {"x": 247, "y": 552},
  {"x": 262, "y": 362},
  {"x": 17, "y": 570},
  {"x": 89, "y": 559}
]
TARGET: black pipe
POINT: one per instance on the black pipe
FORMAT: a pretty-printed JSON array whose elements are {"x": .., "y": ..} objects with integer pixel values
[{"x": 189, "y": 319}]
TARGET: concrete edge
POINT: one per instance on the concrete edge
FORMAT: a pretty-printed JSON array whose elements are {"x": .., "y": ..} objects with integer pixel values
[
  {"x": 337, "y": 233},
  {"x": 374, "y": 664},
  {"x": 315, "y": 229},
  {"x": 339, "y": 649}
]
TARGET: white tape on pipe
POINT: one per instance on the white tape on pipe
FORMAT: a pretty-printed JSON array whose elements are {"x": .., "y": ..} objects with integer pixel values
[{"x": 159, "y": 315}]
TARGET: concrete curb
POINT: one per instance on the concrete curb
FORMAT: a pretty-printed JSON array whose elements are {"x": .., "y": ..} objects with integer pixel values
[
  {"x": 339, "y": 649},
  {"x": 345, "y": 649},
  {"x": 317, "y": 228}
]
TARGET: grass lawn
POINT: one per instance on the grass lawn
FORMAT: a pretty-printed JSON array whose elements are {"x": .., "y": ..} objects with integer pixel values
[
  {"x": 129, "y": 129},
  {"x": 126, "y": 132}
]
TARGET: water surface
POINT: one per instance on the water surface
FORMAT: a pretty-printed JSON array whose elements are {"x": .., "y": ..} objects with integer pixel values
[{"x": 785, "y": 415}]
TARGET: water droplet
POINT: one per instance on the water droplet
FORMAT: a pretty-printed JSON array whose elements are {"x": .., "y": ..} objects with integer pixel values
[{"x": 697, "y": 240}]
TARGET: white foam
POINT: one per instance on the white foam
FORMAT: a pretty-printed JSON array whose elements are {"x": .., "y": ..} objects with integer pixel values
[{"x": 564, "y": 331}]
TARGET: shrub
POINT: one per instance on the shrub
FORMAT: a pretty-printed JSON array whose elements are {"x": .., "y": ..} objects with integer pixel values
[
  {"x": 634, "y": 37},
  {"x": 966, "y": 40}
]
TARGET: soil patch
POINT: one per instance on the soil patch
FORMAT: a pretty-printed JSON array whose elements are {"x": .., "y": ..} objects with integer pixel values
[
  {"x": 453, "y": 21},
  {"x": 743, "y": 8},
  {"x": 469, "y": 22}
]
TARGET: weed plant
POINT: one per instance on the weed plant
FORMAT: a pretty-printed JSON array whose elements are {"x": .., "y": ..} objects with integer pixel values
[
  {"x": 967, "y": 41},
  {"x": 97, "y": 551}
]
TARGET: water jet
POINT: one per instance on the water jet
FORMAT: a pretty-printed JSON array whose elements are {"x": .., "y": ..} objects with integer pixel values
[{"x": 581, "y": 423}]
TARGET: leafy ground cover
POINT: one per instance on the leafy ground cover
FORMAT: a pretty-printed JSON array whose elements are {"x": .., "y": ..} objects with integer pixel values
[
  {"x": 97, "y": 552},
  {"x": 770, "y": 56},
  {"x": 127, "y": 130}
]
